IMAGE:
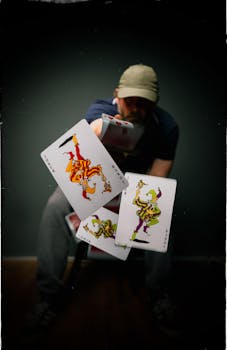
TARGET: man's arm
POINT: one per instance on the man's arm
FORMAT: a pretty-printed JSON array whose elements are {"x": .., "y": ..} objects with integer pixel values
[{"x": 161, "y": 167}]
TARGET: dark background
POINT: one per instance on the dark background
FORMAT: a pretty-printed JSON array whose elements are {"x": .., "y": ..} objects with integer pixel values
[{"x": 57, "y": 59}]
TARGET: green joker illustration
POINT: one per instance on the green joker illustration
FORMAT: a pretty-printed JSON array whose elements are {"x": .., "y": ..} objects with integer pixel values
[{"x": 149, "y": 211}]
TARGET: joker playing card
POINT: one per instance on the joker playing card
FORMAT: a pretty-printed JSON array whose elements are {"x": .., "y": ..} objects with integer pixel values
[
  {"x": 148, "y": 202},
  {"x": 99, "y": 230},
  {"x": 83, "y": 169}
]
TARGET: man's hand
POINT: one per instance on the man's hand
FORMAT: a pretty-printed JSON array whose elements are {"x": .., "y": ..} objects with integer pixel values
[
  {"x": 96, "y": 126},
  {"x": 118, "y": 116}
]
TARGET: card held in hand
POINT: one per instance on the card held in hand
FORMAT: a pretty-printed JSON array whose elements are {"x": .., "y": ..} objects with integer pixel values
[
  {"x": 148, "y": 201},
  {"x": 83, "y": 169},
  {"x": 120, "y": 134},
  {"x": 99, "y": 230}
]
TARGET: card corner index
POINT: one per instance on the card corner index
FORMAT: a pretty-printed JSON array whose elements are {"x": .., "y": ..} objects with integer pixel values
[
  {"x": 43, "y": 156},
  {"x": 164, "y": 249},
  {"x": 128, "y": 174},
  {"x": 124, "y": 258},
  {"x": 83, "y": 121}
]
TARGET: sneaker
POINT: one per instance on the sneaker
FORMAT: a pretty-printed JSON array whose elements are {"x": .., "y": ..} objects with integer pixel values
[
  {"x": 164, "y": 312},
  {"x": 37, "y": 323}
]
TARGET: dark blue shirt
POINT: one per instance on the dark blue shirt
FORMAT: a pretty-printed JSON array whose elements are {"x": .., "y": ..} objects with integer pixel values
[{"x": 158, "y": 141}]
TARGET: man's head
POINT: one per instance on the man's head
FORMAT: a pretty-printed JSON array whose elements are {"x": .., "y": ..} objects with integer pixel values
[{"x": 137, "y": 92}]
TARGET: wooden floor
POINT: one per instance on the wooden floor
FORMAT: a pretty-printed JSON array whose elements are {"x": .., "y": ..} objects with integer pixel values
[{"x": 109, "y": 310}]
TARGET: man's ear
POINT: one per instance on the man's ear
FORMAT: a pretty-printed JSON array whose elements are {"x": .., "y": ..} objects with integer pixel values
[
  {"x": 116, "y": 98},
  {"x": 116, "y": 92}
]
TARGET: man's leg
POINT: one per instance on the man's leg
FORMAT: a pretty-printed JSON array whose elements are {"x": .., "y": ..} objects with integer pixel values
[
  {"x": 53, "y": 246},
  {"x": 158, "y": 268},
  {"x": 160, "y": 285}
]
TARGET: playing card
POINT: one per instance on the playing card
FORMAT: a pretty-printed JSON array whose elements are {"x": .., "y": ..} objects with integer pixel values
[
  {"x": 73, "y": 222},
  {"x": 119, "y": 134},
  {"x": 99, "y": 230},
  {"x": 98, "y": 254},
  {"x": 148, "y": 201},
  {"x": 83, "y": 169}
]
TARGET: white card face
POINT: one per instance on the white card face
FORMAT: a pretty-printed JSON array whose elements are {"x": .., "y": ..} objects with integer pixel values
[
  {"x": 148, "y": 202},
  {"x": 83, "y": 169},
  {"x": 99, "y": 230}
]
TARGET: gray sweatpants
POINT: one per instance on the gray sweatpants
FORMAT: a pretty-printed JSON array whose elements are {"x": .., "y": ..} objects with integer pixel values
[{"x": 54, "y": 242}]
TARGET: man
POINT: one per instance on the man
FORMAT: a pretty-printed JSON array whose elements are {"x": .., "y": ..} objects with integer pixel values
[{"x": 135, "y": 100}]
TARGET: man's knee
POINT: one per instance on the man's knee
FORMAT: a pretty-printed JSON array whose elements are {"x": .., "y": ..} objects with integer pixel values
[{"x": 58, "y": 204}]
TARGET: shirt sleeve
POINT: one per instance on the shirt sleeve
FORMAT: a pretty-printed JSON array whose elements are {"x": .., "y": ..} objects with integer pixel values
[{"x": 97, "y": 108}]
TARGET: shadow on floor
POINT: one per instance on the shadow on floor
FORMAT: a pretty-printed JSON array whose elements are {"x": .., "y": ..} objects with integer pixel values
[{"x": 108, "y": 311}]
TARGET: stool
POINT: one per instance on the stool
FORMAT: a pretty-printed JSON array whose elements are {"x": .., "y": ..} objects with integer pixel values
[{"x": 85, "y": 251}]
